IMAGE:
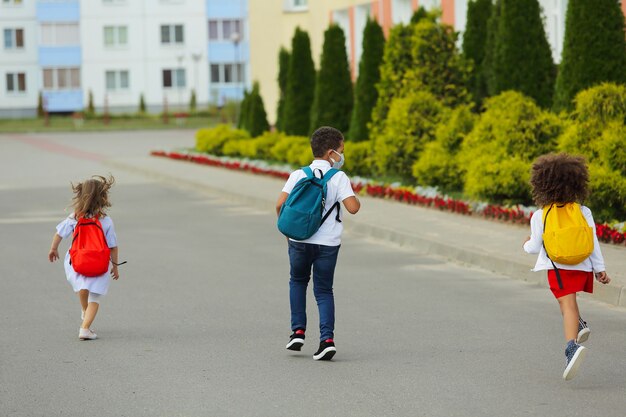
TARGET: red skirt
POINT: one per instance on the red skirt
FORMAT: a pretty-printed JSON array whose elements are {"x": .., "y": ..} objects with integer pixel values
[{"x": 573, "y": 281}]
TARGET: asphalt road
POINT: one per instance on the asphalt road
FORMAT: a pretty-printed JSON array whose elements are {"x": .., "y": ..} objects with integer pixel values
[{"x": 197, "y": 323}]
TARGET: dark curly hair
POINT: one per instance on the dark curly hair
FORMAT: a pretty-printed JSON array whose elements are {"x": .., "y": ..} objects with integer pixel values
[
  {"x": 559, "y": 178},
  {"x": 324, "y": 139}
]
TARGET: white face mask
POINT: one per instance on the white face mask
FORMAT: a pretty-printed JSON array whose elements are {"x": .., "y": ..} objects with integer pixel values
[{"x": 338, "y": 164}]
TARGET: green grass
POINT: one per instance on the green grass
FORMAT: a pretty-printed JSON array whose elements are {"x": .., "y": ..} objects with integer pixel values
[{"x": 67, "y": 124}]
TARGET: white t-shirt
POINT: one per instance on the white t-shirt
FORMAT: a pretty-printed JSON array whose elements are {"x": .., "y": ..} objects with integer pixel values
[
  {"x": 337, "y": 190},
  {"x": 595, "y": 262}
]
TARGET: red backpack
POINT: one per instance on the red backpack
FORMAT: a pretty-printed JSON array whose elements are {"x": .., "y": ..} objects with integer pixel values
[{"x": 89, "y": 253}]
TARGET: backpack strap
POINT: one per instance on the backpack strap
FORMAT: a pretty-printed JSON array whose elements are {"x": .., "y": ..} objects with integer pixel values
[
  {"x": 308, "y": 171},
  {"x": 329, "y": 174},
  {"x": 556, "y": 270}
]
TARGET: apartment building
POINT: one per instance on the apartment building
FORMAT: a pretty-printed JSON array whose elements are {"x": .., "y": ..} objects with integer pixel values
[{"x": 118, "y": 50}]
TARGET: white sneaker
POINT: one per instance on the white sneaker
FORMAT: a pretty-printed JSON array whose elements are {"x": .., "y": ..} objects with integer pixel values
[
  {"x": 583, "y": 331},
  {"x": 86, "y": 334}
]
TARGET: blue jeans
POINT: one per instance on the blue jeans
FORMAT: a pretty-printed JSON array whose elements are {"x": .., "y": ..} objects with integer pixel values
[{"x": 303, "y": 256}]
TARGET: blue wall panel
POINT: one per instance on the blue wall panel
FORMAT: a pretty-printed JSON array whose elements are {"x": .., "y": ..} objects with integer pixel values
[
  {"x": 226, "y": 9},
  {"x": 60, "y": 56},
  {"x": 226, "y": 52},
  {"x": 67, "y": 11},
  {"x": 64, "y": 101}
]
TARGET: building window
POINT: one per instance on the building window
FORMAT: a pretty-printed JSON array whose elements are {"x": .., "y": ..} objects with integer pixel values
[
  {"x": 296, "y": 5},
  {"x": 115, "y": 36},
  {"x": 61, "y": 78},
  {"x": 174, "y": 78},
  {"x": 227, "y": 73},
  {"x": 13, "y": 38},
  {"x": 172, "y": 34},
  {"x": 223, "y": 30},
  {"x": 16, "y": 82},
  {"x": 117, "y": 80},
  {"x": 60, "y": 34}
]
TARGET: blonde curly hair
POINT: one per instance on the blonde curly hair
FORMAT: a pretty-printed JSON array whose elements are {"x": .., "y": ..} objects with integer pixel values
[{"x": 91, "y": 197}]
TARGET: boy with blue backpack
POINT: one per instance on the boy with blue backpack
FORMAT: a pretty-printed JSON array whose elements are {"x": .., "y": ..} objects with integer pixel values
[{"x": 309, "y": 214}]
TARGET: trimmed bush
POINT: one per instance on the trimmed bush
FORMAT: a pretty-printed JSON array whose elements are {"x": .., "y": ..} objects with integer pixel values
[
  {"x": 438, "y": 164},
  {"x": 474, "y": 44},
  {"x": 523, "y": 59},
  {"x": 411, "y": 123},
  {"x": 365, "y": 94},
  {"x": 283, "y": 67},
  {"x": 91, "y": 110},
  {"x": 358, "y": 158},
  {"x": 497, "y": 154},
  {"x": 333, "y": 101},
  {"x": 256, "y": 120},
  {"x": 607, "y": 198},
  {"x": 594, "y": 49},
  {"x": 213, "y": 140},
  {"x": 597, "y": 130},
  {"x": 300, "y": 86},
  {"x": 505, "y": 180}
]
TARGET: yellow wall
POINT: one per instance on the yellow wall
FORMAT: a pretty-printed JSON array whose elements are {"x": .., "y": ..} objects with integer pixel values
[{"x": 271, "y": 27}]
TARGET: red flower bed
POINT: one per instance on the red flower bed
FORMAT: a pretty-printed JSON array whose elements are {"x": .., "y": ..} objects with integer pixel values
[{"x": 402, "y": 194}]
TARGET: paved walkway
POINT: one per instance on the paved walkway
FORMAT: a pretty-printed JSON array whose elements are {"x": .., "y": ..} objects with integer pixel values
[{"x": 491, "y": 245}]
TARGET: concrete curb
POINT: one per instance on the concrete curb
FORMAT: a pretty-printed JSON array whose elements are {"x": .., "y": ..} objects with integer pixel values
[{"x": 610, "y": 294}]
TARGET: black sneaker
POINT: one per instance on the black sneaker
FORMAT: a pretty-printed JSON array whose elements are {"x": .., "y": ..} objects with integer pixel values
[
  {"x": 583, "y": 331},
  {"x": 296, "y": 340},
  {"x": 326, "y": 351},
  {"x": 574, "y": 355}
]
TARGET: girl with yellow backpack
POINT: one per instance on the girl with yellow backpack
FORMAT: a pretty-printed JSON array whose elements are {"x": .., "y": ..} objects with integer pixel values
[{"x": 563, "y": 234}]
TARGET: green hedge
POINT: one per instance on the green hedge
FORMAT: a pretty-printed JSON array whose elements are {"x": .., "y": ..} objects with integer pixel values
[
  {"x": 498, "y": 153},
  {"x": 213, "y": 140}
]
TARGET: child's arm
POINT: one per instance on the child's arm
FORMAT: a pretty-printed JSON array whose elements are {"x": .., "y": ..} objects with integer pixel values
[
  {"x": 114, "y": 272},
  {"x": 352, "y": 204},
  {"x": 53, "y": 255},
  {"x": 534, "y": 242},
  {"x": 281, "y": 200}
]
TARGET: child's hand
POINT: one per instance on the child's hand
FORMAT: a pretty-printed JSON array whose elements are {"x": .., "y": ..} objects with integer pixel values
[
  {"x": 53, "y": 255},
  {"x": 603, "y": 277},
  {"x": 114, "y": 272}
]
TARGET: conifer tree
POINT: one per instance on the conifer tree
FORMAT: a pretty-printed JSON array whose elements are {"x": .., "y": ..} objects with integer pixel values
[
  {"x": 256, "y": 118},
  {"x": 192, "y": 102},
  {"x": 594, "y": 49},
  {"x": 365, "y": 94},
  {"x": 283, "y": 67},
  {"x": 474, "y": 44},
  {"x": 333, "y": 101},
  {"x": 142, "y": 104},
  {"x": 490, "y": 48},
  {"x": 300, "y": 86},
  {"x": 523, "y": 59}
]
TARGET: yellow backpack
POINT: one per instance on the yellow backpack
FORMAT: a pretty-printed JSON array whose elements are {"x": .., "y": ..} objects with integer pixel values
[{"x": 567, "y": 237}]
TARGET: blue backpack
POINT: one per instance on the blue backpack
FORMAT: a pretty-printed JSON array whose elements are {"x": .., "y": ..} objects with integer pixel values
[{"x": 301, "y": 215}]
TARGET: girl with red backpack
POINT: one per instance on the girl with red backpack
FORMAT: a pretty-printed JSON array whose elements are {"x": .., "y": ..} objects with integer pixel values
[
  {"x": 563, "y": 234},
  {"x": 92, "y": 258}
]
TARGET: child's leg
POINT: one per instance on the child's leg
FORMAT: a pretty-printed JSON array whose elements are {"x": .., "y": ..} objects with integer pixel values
[
  {"x": 569, "y": 309},
  {"x": 92, "y": 310},
  {"x": 300, "y": 272},
  {"x": 83, "y": 295},
  {"x": 323, "y": 277}
]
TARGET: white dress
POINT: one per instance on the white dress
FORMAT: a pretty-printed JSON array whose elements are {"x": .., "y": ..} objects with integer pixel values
[{"x": 99, "y": 284}]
